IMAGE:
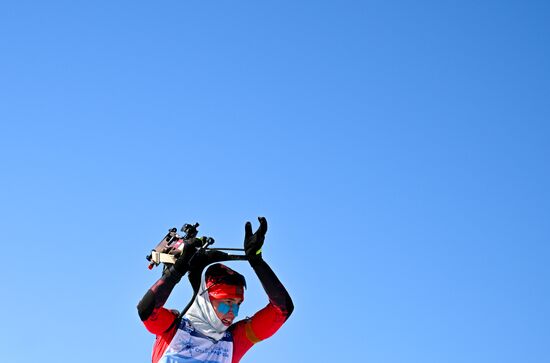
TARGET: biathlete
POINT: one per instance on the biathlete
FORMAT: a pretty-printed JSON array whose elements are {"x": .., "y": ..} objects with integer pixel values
[{"x": 207, "y": 331}]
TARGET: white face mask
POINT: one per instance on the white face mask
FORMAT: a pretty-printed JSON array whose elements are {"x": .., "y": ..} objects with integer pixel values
[{"x": 202, "y": 315}]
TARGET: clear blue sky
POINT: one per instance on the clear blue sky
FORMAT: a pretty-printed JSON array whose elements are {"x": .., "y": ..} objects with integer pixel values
[{"x": 399, "y": 150}]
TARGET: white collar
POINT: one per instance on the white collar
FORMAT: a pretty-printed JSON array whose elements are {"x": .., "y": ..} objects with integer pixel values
[{"x": 202, "y": 314}]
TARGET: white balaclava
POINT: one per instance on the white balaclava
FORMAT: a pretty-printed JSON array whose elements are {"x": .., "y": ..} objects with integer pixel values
[{"x": 202, "y": 314}]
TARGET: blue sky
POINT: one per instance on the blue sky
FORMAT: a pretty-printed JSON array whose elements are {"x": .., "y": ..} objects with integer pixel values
[{"x": 398, "y": 149}]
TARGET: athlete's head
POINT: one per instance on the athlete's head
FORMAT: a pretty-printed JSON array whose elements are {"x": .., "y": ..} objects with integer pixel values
[{"x": 225, "y": 290}]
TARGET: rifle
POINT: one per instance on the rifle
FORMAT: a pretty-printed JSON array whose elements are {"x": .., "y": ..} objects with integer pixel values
[{"x": 171, "y": 246}]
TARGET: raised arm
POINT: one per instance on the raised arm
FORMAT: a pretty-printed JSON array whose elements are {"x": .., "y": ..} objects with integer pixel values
[
  {"x": 151, "y": 309},
  {"x": 269, "y": 319},
  {"x": 276, "y": 292}
]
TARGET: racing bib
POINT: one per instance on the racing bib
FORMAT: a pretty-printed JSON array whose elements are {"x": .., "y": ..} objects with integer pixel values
[{"x": 189, "y": 345}]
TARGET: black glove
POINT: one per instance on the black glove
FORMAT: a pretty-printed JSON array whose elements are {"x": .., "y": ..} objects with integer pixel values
[
  {"x": 189, "y": 250},
  {"x": 253, "y": 242}
]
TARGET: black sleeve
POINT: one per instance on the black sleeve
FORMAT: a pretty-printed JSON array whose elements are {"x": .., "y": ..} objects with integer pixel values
[
  {"x": 157, "y": 295},
  {"x": 274, "y": 289}
]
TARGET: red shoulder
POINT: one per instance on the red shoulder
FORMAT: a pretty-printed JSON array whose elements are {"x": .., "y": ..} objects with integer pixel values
[
  {"x": 250, "y": 331},
  {"x": 165, "y": 329}
]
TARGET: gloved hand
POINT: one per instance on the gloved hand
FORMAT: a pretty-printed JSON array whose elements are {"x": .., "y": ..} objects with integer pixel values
[
  {"x": 189, "y": 250},
  {"x": 253, "y": 242}
]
